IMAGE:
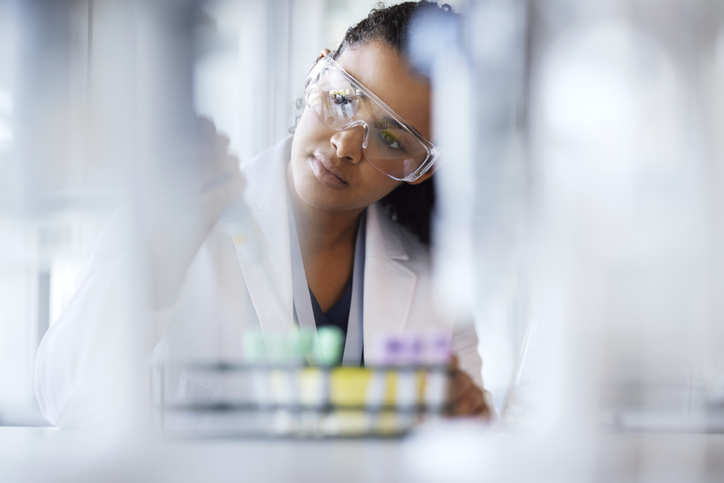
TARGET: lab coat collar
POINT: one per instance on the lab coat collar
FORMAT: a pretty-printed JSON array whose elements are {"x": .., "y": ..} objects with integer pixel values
[
  {"x": 384, "y": 235},
  {"x": 389, "y": 285},
  {"x": 266, "y": 195}
]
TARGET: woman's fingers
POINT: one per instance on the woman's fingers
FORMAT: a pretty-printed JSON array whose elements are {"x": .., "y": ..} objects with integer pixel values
[
  {"x": 466, "y": 406},
  {"x": 214, "y": 159},
  {"x": 213, "y": 146},
  {"x": 473, "y": 404},
  {"x": 467, "y": 398}
]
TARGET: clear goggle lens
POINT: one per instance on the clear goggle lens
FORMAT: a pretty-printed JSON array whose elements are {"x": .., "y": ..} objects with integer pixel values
[{"x": 390, "y": 144}]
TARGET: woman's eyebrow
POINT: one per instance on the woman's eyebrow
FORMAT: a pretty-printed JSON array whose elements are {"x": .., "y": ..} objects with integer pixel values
[{"x": 387, "y": 122}]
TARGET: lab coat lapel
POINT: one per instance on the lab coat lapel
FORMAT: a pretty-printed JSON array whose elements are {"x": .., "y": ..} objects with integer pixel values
[
  {"x": 266, "y": 195},
  {"x": 389, "y": 285}
]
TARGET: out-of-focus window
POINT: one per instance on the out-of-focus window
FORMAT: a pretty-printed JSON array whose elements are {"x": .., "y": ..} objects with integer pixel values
[
  {"x": 254, "y": 57},
  {"x": 60, "y": 175},
  {"x": 54, "y": 196}
]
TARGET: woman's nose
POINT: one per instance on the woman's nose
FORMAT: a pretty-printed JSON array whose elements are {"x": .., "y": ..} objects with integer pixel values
[{"x": 348, "y": 143}]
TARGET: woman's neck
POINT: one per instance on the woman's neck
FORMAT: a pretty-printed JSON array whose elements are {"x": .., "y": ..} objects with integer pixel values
[
  {"x": 321, "y": 231},
  {"x": 327, "y": 243}
]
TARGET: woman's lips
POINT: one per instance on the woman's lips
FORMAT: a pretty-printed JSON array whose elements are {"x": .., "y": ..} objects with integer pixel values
[{"x": 326, "y": 173}]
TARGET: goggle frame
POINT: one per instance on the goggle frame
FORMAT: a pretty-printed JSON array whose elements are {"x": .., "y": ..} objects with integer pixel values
[{"x": 433, "y": 152}]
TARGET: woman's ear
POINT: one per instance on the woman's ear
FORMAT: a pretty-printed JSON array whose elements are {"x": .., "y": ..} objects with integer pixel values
[
  {"x": 422, "y": 178},
  {"x": 324, "y": 52}
]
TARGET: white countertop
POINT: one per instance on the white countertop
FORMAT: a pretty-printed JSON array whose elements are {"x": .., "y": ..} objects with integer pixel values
[
  {"x": 59, "y": 455},
  {"x": 462, "y": 453}
]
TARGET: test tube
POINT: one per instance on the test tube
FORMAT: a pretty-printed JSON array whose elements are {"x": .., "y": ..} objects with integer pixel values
[
  {"x": 255, "y": 357},
  {"x": 282, "y": 381},
  {"x": 308, "y": 396},
  {"x": 403, "y": 352},
  {"x": 374, "y": 398},
  {"x": 328, "y": 353},
  {"x": 436, "y": 354}
]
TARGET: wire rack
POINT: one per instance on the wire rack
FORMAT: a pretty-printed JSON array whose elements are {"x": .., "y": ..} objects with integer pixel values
[{"x": 230, "y": 399}]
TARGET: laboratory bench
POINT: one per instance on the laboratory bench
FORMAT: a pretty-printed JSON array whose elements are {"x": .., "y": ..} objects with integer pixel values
[{"x": 461, "y": 451}]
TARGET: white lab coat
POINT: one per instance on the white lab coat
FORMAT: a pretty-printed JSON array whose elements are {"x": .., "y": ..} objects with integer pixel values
[{"x": 219, "y": 298}]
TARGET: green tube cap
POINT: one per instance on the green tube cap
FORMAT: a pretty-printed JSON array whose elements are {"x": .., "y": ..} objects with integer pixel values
[{"x": 331, "y": 342}]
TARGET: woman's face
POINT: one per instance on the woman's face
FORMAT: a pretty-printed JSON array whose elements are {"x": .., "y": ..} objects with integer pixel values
[{"x": 328, "y": 167}]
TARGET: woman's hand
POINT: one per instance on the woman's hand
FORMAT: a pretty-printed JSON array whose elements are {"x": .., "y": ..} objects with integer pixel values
[
  {"x": 467, "y": 398},
  {"x": 176, "y": 230}
]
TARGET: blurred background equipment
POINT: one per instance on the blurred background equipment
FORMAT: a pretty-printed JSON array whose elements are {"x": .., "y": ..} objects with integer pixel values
[
  {"x": 579, "y": 216},
  {"x": 78, "y": 134}
]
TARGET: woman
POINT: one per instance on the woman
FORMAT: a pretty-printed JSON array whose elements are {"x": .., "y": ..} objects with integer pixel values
[{"x": 332, "y": 255}]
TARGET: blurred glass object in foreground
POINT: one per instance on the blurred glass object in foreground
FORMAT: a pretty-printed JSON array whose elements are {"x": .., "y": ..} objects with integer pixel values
[
  {"x": 595, "y": 242},
  {"x": 98, "y": 105},
  {"x": 580, "y": 206}
]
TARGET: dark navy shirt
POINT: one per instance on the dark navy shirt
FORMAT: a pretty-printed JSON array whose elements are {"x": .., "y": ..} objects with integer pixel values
[{"x": 338, "y": 314}]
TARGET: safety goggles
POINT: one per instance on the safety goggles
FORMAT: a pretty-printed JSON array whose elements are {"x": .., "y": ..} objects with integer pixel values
[{"x": 390, "y": 144}]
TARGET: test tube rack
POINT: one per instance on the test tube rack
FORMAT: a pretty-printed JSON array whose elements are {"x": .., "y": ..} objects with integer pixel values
[{"x": 231, "y": 399}]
